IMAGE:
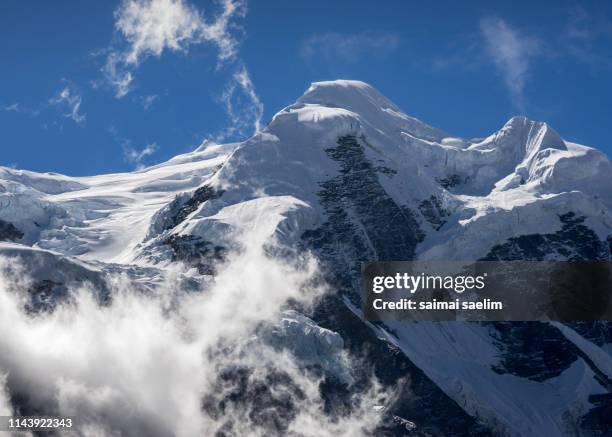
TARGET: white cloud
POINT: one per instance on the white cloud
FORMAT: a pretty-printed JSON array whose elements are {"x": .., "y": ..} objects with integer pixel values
[
  {"x": 18, "y": 108},
  {"x": 148, "y": 101},
  {"x": 70, "y": 100},
  {"x": 154, "y": 363},
  {"x": 136, "y": 157},
  {"x": 150, "y": 27},
  {"x": 242, "y": 105},
  {"x": 511, "y": 52},
  {"x": 244, "y": 80},
  {"x": 6, "y": 408},
  {"x": 117, "y": 75},
  {"x": 12, "y": 108},
  {"x": 218, "y": 31},
  {"x": 132, "y": 155},
  {"x": 67, "y": 101},
  {"x": 334, "y": 47}
]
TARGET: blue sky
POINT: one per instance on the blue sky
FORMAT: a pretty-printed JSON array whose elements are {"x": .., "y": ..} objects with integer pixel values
[{"x": 92, "y": 87}]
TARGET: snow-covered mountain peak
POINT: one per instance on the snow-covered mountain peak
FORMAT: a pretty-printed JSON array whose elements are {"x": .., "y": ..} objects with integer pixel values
[
  {"x": 349, "y": 94},
  {"x": 331, "y": 109},
  {"x": 273, "y": 181},
  {"x": 369, "y": 108},
  {"x": 524, "y": 137}
]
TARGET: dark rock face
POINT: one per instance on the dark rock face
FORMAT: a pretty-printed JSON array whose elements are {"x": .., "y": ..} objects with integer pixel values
[
  {"x": 180, "y": 212},
  {"x": 451, "y": 181},
  {"x": 189, "y": 249},
  {"x": 597, "y": 421},
  {"x": 199, "y": 196},
  {"x": 433, "y": 211},
  {"x": 45, "y": 295},
  {"x": 574, "y": 242},
  {"x": 364, "y": 224},
  {"x": 8, "y": 232},
  {"x": 538, "y": 350},
  {"x": 195, "y": 251},
  {"x": 171, "y": 215},
  {"x": 362, "y": 218},
  {"x": 269, "y": 399},
  {"x": 598, "y": 332},
  {"x": 534, "y": 350},
  {"x": 419, "y": 399},
  {"x": 385, "y": 170}
]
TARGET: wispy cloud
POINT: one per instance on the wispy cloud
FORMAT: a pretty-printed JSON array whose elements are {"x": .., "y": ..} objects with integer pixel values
[
  {"x": 117, "y": 74},
  {"x": 147, "y": 102},
  {"x": 333, "y": 46},
  {"x": 71, "y": 101},
  {"x": 588, "y": 38},
  {"x": 66, "y": 103},
  {"x": 136, "y": 157},
  {"x": 14, "y": 107},
  {"x": 242, "y": 105},
  {"x": 132, "y": 155},
  {"x": 511, "y": 51},
  {"x": 20, "y": 109},
  {"x": 151, "y": 27},
  {"x": 218, "y": 31}
]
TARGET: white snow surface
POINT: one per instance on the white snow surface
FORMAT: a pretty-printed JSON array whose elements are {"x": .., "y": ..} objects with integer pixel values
[
  {"x": 102, "y": 217},
  {"x": 309, "y": 343},
  {"x": 458, "y": 357}
]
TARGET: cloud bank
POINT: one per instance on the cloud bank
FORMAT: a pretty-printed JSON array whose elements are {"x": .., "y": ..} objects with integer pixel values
[{"x": 172, "y": 362}]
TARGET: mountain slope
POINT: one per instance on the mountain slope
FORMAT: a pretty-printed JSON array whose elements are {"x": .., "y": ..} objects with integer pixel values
[{"x": 344, "y": 174}]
